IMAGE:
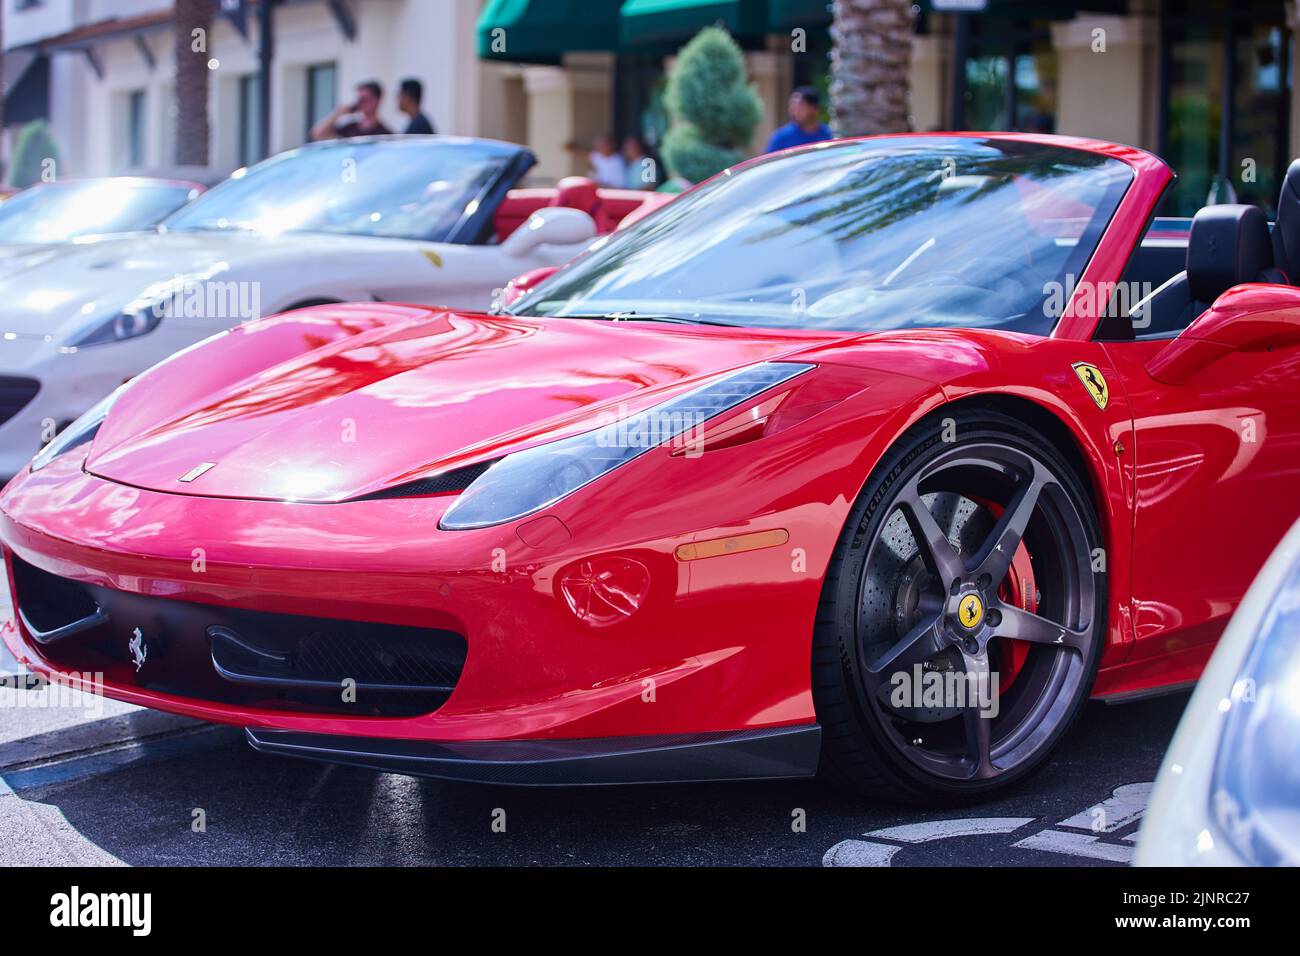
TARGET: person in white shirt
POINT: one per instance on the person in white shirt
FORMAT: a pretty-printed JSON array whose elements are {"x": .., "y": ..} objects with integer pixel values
[{"x": 608, "y": 167}]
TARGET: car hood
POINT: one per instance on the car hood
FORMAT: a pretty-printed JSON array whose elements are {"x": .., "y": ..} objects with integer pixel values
[
  {"x": 59, "y": 290},
  {"x": 21, "y": 256},
  {"x": 408, "y": 397}
]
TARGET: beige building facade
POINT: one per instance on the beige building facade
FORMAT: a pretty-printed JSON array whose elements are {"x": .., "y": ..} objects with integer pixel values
[{"x": 1205, "y": 83}]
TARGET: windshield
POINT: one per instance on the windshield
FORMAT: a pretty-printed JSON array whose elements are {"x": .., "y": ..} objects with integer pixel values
[
  {"x": 868, "y": 235},
  {"x": 60, "y": 212},
  {"x": 417, "y": 189}
]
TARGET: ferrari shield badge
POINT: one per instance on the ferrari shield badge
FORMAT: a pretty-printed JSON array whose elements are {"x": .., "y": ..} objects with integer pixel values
[
  {"x": 1094, "y": 382},
  {"x": 972, "y": 611}
]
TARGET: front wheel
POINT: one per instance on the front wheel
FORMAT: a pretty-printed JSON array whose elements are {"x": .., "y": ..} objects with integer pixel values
[{"x": 961, "y": 619}]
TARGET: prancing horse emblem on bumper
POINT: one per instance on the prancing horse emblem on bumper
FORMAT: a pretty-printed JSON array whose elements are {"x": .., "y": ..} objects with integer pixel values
[
  {"x": 194, "y": 474},
  {"x": 139, "y": 650}
]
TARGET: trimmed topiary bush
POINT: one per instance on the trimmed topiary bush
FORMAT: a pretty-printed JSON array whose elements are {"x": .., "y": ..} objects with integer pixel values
[
  {"x": 35, "y": 145},
  {"x": 713, "y": 107}
]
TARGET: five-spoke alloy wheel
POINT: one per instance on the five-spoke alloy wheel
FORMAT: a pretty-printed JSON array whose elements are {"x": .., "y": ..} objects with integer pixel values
[{"x": 962, "y": 616}]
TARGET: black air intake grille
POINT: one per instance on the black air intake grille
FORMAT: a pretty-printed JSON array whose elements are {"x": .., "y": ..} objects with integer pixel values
[
  {"x": 242, "y": 656},
  {"x": 15, "y": 395},
  {"x": 442, "y": 484},
  {"x": 378, "y": 660}
]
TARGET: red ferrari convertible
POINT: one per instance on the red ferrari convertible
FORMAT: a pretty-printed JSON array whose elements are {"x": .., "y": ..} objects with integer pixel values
[{"x": 752, "y": 489}]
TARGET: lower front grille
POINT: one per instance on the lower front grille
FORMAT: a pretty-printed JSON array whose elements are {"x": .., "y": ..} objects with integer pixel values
[
  {"x": 239, "y": 656},
  {"x": 15, "y": 395}
]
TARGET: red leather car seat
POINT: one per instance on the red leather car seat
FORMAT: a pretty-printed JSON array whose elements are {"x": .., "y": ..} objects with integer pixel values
[{"x": 579, "y": 192}]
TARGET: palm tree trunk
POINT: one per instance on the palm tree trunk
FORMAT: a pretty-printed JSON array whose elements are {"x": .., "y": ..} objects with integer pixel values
[
  {"x": 192, "y": 130},
  {"x": 871, "y": 66}
]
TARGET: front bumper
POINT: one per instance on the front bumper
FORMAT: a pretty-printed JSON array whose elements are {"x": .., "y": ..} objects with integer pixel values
[{"x": 717, "y": 650}]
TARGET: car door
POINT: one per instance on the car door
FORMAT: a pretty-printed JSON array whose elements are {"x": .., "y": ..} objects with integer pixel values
[{"x": 1216, "y": 459}]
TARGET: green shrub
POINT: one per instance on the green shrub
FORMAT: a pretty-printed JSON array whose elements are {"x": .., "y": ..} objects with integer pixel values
[
  {"x": 713, "y": 108},
  {"x": 691, "y": 157},
  {"x": 35, "y": 145}
]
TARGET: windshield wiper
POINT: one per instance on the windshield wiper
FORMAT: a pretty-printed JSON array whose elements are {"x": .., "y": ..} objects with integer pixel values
[{"x": 640, "y": 317}]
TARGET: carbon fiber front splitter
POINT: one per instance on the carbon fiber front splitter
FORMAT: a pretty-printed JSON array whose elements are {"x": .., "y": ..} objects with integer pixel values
[{"x": 770, "y": 754}]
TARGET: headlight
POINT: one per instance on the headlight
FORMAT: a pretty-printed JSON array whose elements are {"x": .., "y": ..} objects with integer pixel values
[
  {"x": 143, "y": 314},
  {"x": 127, "y": 325},
  {"x": 1255, "y": 796},
  {"x": 531, "y": 480},
  {"x": 79, "y": 433}
]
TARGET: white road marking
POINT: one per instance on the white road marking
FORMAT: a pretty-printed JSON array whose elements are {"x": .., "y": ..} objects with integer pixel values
[
  {"x": 1125, "y": 805},
  {"x": 870, "y": 852},
  {"x": 1076, "y": 844},
  {"x": 1122, "y": 808}
]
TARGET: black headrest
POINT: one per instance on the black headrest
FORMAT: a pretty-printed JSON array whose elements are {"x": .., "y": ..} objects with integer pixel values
[
  {"x": 1286, "y": 235},
  {"x": 1228, "y": 245}
]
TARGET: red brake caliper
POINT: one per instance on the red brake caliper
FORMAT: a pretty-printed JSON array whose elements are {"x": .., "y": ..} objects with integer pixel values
[{"x": 1018, "y": 590}]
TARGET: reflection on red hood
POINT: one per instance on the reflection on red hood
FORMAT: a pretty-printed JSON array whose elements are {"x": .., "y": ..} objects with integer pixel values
[{"x": 336, "y": 402}]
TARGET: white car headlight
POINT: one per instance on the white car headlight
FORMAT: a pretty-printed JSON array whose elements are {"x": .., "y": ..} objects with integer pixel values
[
  {"x": 128, "y": 324},
  {"x": 531, "y": 480},
  {"x": 143, "y": 314},
  {"x": 1255, "y": 793},
  {"x": 80, "y": 432}
]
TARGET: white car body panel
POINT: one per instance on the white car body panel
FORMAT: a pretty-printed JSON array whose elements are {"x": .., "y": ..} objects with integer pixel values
[{"x": 49, "y": 296}]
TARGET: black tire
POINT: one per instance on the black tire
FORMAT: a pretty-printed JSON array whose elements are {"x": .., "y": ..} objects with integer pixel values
[{"x": 989, "y": 462}]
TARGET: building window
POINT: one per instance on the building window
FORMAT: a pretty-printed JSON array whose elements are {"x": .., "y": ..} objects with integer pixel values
[
  {"x": 322, "y": 93},
  {"x": 1225, "y": 103},
  {"x": 135, "y": 124},
  {"x": 250, "y": 119},
  {"x": 1010, "y": 76},
  {"x": 813, "y": 66},
  {"x": 639, "y": 84}
]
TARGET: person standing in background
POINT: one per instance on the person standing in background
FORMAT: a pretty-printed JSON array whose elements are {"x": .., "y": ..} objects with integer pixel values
[
  {"x": 608, "y": 167},
  {"x": 358, "y": 118},
  {"x": 805, "y": 124},
  {"x": 641, "y": 171},
  {"x": 408, "y": 101}
]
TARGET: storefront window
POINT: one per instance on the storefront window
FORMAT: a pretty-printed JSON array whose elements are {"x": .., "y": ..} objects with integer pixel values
[
  {"x": 986, "y": 92},
  {"x": 1193, "y": 115},
  {"x": 639, "y": 84},
  {"x": 812, "y": 67},
  {"x": 1226, "y": 99},
  {"x": 322, "y": 93},
  {"x": 1010, "y": 76},
  {"x": 250, "y": 119},
  {"x": 1261, "y": 107}
]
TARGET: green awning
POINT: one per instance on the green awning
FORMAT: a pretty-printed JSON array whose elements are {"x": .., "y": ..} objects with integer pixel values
[
  {"x": 786, "y": 15},
  {"x": 541, "y": 31},
  {"x": 658, "y": 23}
]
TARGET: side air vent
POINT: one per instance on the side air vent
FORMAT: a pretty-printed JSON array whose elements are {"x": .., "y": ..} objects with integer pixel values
[{"x": 445, "y": 483}]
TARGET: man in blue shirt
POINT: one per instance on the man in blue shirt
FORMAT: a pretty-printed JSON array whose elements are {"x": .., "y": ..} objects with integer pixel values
[{"x": 806, "y": 124}]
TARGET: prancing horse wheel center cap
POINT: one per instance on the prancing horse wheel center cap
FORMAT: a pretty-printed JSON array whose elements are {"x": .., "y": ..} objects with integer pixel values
[{"x": 970, "y": 611}]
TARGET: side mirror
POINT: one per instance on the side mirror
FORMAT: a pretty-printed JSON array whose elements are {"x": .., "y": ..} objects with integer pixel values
[
  {"x": 553, "y": 225},
  {"x": 1256, "y": 317}
]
